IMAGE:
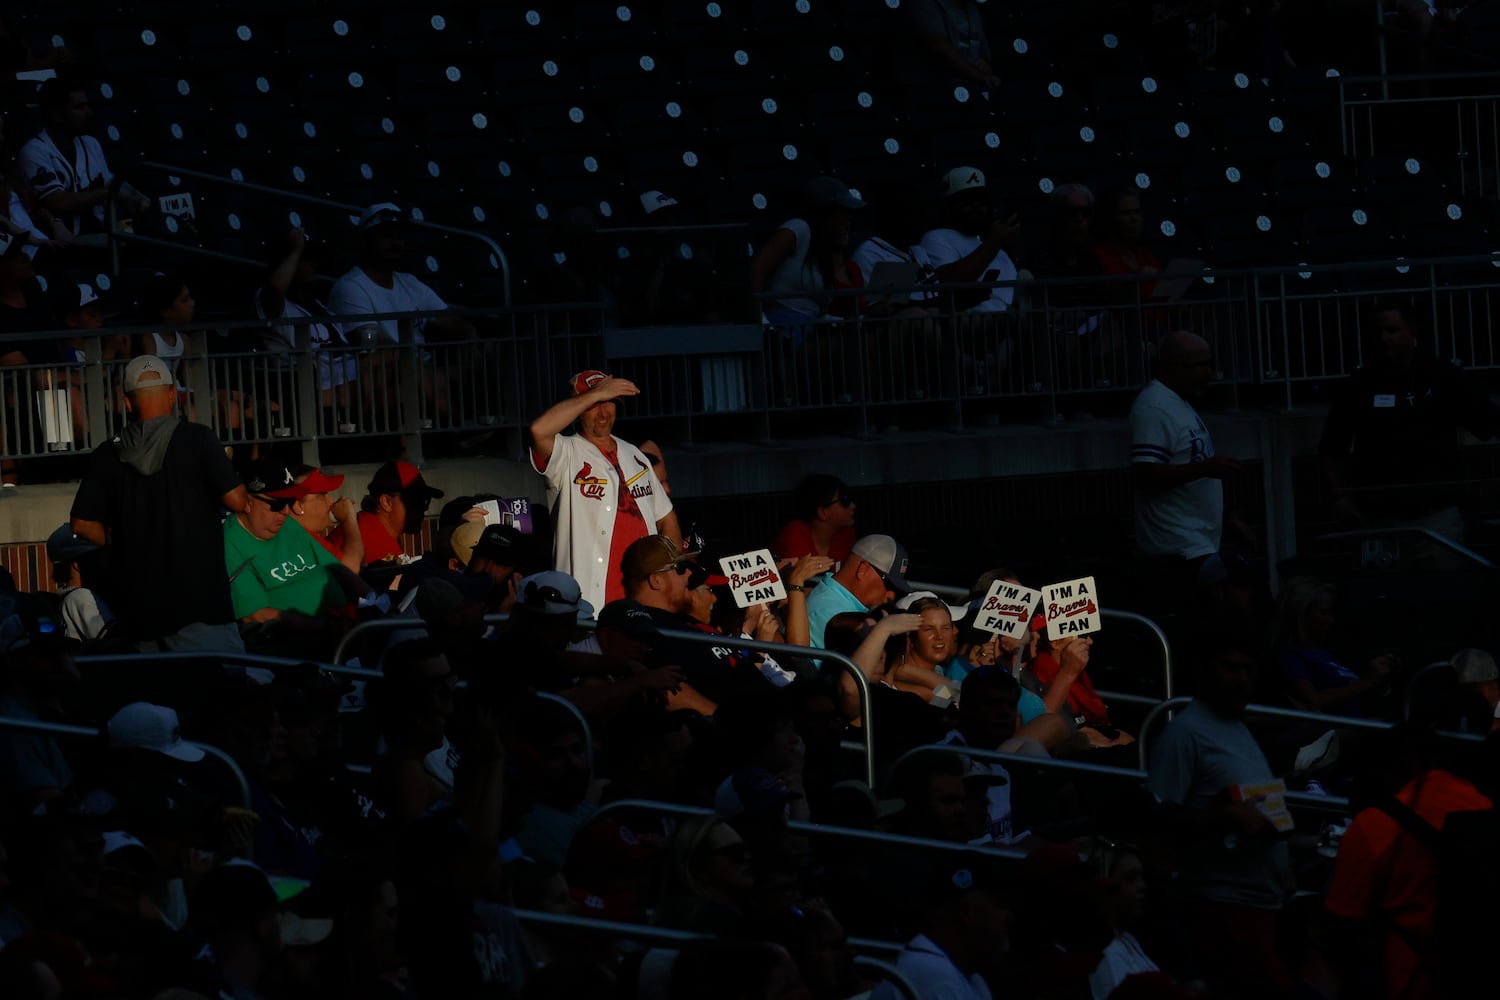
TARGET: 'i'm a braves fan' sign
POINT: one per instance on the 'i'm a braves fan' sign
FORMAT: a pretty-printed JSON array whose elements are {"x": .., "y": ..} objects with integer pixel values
[
  {"x": 753, "y": 577},
  {"x": 1007, "y": 609},
  {"x": 1072, "y": 608}
]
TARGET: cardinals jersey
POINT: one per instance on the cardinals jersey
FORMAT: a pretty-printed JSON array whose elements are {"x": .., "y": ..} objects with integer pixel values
[{"x": 587, "y": 497}]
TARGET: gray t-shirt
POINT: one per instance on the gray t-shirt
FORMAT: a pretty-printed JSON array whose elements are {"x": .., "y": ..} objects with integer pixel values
[{"x": 1199, "y": 755}]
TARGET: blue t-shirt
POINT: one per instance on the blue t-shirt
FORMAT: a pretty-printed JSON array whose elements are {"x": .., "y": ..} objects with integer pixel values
[
  {"x": 1323, "y": 671},
  {"x": 1030, "y": 706},
  {"x": 827, "y": 599}
]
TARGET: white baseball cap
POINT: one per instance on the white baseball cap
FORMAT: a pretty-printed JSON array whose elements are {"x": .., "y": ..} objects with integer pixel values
[
  {"x": 955, "y": 611},
  {"x": 655, "y": 201},
  {"x": 961, "y": 179},
  {"x": 151, "y": 727},
  {"x": 379, "y": 215}
]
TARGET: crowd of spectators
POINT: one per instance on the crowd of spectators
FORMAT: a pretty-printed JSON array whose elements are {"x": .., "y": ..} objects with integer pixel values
[
  {"x": 626, "y": 741},
  {"x": 630, "y": 744}
]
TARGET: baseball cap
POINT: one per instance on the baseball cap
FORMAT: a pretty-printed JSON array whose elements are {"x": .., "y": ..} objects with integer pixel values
[
  {"x": 652, "y": 554},
  {"x": 701, "y": 576},
  {"x": 753, "y": 793},
  {"x": 77, "y": 296},
  {"x": 887, "y": 556},
  {"x": 271, "y": 479},
  {"x": 463, "y": 540},
  {"x": 857, "y": 803},
  {"x": 655, "y": 201},
  {"x": 304, "y": 932},
  {"x": 233, "y": 893},
  {"x": 64, "y": 545},
  {"x": 950, "y": 877},
  {"x": 147, "y": 372},
  {"x": 825, "y": 191},
  {"x": 384, "y": 213},
  {"x": 586, "y": 380},
  {"x": 961, "y": 179},
  {"x": 1474, "y": 666},
  {"x": 401, "y": 477},
  {"x": 318, "y": 481},
  {"x": 553, "y": 592},
  {"x": 956, "y": 611},
  {"x": 145, "y": 726},
  {"x": 604, "y": 848}
]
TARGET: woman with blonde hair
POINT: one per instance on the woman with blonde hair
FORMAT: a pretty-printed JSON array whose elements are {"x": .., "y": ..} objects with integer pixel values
[{"x": 709, "y": 880}]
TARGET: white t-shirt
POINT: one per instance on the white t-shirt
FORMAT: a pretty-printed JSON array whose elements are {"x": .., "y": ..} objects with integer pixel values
[
  {"x": 356, "y": 295},
  {"x": 933, "y": 974},
  {"x": 584, "y": 496},
  {"x": 22, "y": 218},
  {"x": 876, "y": 250},
  {"x": 944, "y": 246},
  {"x": 333, "y": 369},
  {"x": 49, "y": 168},
  {"x": 1123, "y": 957},
  {"x": 797, "y": 284},
  {"x": 1187, "y": 521}
]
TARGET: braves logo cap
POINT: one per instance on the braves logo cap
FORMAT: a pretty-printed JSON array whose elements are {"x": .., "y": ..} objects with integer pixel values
[{"x": 961, "y": 179}]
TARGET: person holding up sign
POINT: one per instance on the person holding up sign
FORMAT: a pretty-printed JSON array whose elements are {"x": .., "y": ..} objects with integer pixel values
[{"x": 602, "y": 490}]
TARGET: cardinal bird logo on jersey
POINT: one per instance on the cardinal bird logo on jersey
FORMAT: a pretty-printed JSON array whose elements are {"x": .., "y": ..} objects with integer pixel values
[{"x": 588, "y": 484}]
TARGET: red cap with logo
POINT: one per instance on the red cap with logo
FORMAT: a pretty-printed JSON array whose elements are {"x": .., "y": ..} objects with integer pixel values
[{"x": 584, "y": 381}]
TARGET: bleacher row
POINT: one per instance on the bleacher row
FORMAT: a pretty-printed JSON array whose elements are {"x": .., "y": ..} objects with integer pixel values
[{"x": 504, "y": 118}]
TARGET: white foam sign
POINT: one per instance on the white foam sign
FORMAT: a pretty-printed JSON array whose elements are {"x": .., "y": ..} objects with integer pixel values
[
  {"x": 179, "y": 205},
  {"x": 1072, "y": 608},
  {"x": 753, "y": 577},
  {"x": 1007, "y": 609}
]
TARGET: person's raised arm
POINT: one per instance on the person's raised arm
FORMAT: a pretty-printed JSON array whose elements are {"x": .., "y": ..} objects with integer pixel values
[
  {"x": 798, "y": 629},
  {"x": 546, "y": 428},
  {"x": 972, "y": 266},
  {"x": 670, "y": 527},
  {"x": 1072, "y": 660},
  {"x": 273, "y": 293},
  {"x": 348, "y": 527}
]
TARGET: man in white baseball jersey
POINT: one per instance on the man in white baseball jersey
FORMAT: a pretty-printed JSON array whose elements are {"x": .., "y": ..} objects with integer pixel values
[
  {"x": 1178, "y": 480},
  {"x": 602, "y": 491}
]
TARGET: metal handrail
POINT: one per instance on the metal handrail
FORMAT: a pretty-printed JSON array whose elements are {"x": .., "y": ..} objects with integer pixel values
[
  {"x": 1336, "y": 803},
  {"x": 949, "y": 592},
  {"x": 672, "y": 936},
  {"x": 815, "y": 829},
  {"x": 1271, "y": 712},
  {"x": 502, "y": 262},
  {"x": 1363, "y": 534},
  {"x": 374, "y": 625},
  {"x": 88, "y": 732}
]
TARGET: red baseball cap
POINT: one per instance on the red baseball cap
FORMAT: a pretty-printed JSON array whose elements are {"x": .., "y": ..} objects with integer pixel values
[
  {"x": 584, "y": 381},
  {"x": 318, "y": 481},
  {"x": 401, "y": 477}
]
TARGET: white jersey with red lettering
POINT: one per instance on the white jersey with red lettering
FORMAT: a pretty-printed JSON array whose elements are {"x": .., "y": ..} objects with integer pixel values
[{"x": 583, "y": 495}]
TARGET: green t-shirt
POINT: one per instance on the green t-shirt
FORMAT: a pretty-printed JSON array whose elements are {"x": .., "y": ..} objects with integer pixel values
[{"x": 288, "y": 572}]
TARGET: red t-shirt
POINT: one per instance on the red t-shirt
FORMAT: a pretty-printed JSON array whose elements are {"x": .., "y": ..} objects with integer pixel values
[
  {"x": 1082, "y": 698},
  {"x": 380, "y": 546},
  {"x": 1382, "y": 871},
  {"x": 334, "y": 545},
  {"x": 796, "y": 540},
  {"x": 630, "y": 525}
]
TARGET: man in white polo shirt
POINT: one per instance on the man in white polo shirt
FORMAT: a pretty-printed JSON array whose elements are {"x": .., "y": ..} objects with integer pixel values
[
  {"x": 1177, "y": 477},
  {"x": 602, "y": 491}
]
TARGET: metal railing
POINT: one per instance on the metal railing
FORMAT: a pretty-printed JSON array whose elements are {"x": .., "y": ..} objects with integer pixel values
[
  {"x": 1411, "y": 531},
  {"x": 818, "y": 830},
  {"x": 338, "y": 214},
  {"x": 1137, "y": 776},
  {"x": 1466, "y": 104},
  {"x": 952, "y": 593},
  {"x": 669, "y": 937},
  {"x": 1160, "y": 713},
  {"x": 88, "y": 732}
]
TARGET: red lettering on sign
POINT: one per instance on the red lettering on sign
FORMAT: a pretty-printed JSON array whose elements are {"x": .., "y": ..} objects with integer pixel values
[
  {"x": 1020, "y": 612},
  {"x": 1082, "y": 606},
  {"x": 757, "y": 579}
]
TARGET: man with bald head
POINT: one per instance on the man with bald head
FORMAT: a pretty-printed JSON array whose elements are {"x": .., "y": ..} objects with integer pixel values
[{"x": 1177, "y": 478}]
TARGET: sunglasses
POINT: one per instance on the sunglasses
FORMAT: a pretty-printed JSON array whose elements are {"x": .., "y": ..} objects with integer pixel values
[
  {"x": 277, "y": 504},
  {"x": 844, "y": 501},
  {"x": 536, "y": 597}
]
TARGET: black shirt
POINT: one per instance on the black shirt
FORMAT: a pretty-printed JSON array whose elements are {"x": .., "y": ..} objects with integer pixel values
[
  {"x": 166, "y": 549},
  {"x": 716, "y": 672},
  {"x": 1397, "y": 427},
  {"x": 35, "y": 317}
]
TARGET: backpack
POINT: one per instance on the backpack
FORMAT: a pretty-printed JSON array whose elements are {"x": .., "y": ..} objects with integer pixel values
[{"x": 1460, "y": 956}]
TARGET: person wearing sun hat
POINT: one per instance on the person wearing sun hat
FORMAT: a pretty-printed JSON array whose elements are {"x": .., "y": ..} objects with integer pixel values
[{"x": 604, "y": 491}]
